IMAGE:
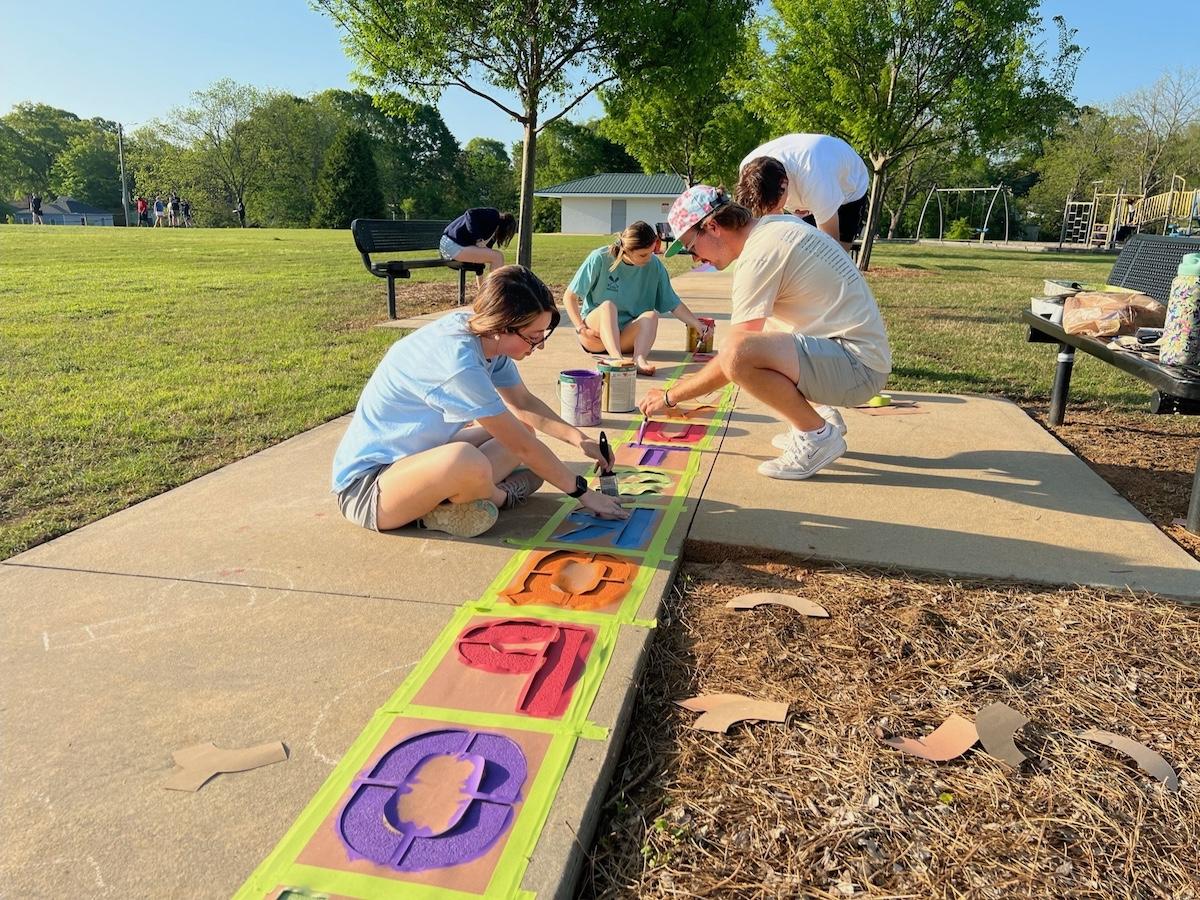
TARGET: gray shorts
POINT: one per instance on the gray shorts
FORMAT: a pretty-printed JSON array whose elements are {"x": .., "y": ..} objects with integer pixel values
[
  {"x": 448, "y": 249},
  {"x": 832, "y": 375},
  {"x": 359, "y": 500}
]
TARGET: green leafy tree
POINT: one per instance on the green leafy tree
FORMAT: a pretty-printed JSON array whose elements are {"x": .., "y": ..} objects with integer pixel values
[
  {"x": 32, "y": 136},
  {"x": 348, "y": 187},
  {"x": 1081, "y": 151},
  {"x": 87, "y": 170},
  {"x": 487, "y": 175},
  {"x": 295, "y": 135},
  {"x": 547, "y": 54},
  {"x": 895, "y": 76},
  {"x": 218, "y": 129}
]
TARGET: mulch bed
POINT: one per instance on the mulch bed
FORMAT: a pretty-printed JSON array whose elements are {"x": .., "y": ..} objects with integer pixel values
[
  {"x": 818, "y": 806},
  {"x": 415, "y": 298}
]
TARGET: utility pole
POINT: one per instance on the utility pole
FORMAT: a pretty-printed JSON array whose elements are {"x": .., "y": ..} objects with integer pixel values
[{"x": 121, "y": 160}]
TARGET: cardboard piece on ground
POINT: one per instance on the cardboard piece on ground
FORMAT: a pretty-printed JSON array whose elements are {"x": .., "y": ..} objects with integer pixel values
[
  {"x": 952, "y": 738},
  {"x": 897, "y": 408},
  {"x": 702, "y": 413},
  {"x": 659, "y": 457},
  {"x": 203, "y": 761},
  {"x": 1148, "y": 760},
  {"x": 724, "y": 710},
  {"x": 802, "y": 605},
  {"x": 634, "y": 533},
  {"x": 673, "y": 432},
  {"x": 997, "y": 723}
]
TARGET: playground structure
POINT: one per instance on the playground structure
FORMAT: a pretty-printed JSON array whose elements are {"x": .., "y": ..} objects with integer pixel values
[
  {"x": 1110, "y": 218},
  {"x": 997, "y": 191}
]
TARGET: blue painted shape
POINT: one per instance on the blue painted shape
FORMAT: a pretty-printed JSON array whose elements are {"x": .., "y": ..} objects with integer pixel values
[{"x": 628, "y": 534}]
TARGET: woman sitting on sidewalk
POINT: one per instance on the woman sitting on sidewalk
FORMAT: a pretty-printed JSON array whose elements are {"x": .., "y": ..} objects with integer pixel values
[
  {"x": 409, "y": 455},
  {"x": 622, "y": 289},
  {"x": 474, "y": 235}
]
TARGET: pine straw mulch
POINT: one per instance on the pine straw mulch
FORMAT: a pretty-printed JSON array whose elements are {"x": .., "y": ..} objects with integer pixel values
[
  {"x": 819, "y": 807},
  {"x": 1149, "y": 459}
]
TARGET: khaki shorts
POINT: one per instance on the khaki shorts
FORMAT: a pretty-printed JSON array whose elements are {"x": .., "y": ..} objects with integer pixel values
[
  {"x": 359, "y": 500},
  {"x": 832, "y": 375}
]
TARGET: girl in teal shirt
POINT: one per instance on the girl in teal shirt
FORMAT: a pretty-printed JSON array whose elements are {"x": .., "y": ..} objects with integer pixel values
[{"x": 617, "y": 295}]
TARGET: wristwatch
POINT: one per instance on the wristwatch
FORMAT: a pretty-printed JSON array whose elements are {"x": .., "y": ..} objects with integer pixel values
[{"x": 581, "y": 487}]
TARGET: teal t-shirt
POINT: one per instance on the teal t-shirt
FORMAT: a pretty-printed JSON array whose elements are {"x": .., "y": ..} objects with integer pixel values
[{"x": 632, "y": 289}]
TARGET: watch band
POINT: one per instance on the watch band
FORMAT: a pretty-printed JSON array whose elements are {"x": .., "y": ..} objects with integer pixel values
[{"x": 581, "y": 487}]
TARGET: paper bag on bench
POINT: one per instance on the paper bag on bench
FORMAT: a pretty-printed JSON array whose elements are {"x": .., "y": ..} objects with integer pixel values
[{"x": 1104, "y": 314}]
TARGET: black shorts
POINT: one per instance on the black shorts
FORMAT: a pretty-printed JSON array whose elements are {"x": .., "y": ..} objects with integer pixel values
[{"x": 851, "y": 217}]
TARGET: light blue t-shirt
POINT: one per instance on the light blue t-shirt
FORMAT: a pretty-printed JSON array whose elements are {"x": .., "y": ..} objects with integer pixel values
[
  {"x": 429, "y": 385},
  {"x": 632, "y": 289}
]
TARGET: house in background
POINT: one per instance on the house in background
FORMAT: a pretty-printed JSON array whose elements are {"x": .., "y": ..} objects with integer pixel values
[
  {"x": 605, "y": 204},
  {"x": 63, "y": 211}
]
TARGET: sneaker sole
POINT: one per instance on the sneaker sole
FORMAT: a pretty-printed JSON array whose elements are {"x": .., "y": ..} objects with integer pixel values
[{"x": 464, "y": 520}]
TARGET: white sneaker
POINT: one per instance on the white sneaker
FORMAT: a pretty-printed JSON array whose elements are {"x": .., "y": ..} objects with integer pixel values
[
  {"x": 807, "y": 456},
  {"x": 828, "y": 413}
]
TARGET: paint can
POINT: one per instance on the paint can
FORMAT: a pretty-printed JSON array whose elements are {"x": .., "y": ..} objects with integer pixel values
[
  {"x": 579, "y": 396},
  {"x": 695, "y": 344},
  {"x": 619, "y": 392}
]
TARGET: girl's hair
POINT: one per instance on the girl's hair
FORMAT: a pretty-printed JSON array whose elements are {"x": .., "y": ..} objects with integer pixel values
[
  {"x": 510, "y": 299},
  {"x": 760, "y": 185},
  {"x": 730, "y": 214},
  {"x": 637, "y": 236},
  {"x": 506, "y": 229}
]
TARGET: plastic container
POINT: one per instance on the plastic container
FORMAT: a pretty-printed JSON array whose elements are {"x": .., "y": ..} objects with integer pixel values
[
  {"x": 579, "y": 397},
  {"x": 1180, "y": 344},
  {"x": 695, "y": 344},
  {"x": 619, "y": 391}
]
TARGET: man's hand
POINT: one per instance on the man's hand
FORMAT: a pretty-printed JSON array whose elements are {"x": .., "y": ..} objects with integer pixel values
[
  {"x": 591, "y": 450},
  {"x": 654, "y": 402}
]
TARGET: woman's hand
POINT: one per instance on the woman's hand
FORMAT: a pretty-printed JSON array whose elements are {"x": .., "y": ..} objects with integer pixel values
[
  {"x": 591, "y": 449},
  {"x": 589, "y": 334},
  {"x": 602, "y": 505}
]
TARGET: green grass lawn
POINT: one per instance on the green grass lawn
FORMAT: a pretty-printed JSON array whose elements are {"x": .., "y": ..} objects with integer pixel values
[{"x": 134, "y": 360}]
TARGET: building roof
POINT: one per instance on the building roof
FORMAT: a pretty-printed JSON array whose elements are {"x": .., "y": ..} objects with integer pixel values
[
  {"x": 617, "y": 184},
  {"x": 72, "y": 207}
]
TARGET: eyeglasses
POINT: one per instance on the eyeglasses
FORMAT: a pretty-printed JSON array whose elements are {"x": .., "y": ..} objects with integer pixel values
[
  {"x": 535, "y": 343},
  {"x": 699, "y": 231}
]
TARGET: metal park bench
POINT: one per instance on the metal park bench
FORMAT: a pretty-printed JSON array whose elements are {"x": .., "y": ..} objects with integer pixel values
[
  {"x": 388, "y": 236},
  {"x": 1147, "y": 263}
]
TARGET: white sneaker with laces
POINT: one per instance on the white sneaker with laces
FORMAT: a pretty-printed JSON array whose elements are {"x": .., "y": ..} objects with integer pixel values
[
  {"x": 829, "y": 413},
  {"x": 807, "y": 455}
]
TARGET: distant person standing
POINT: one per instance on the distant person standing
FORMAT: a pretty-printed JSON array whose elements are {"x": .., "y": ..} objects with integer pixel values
[
  {"x": 35, "y": 209},
  {"x": 240, "y": 209},
  {"x": 814, "y": 176},
  {"x": 159, "y": 212},
  {"x": 143, "y": 211},
  {"x": 186, "y": 207},
  {"x": 173, "y": 210}
]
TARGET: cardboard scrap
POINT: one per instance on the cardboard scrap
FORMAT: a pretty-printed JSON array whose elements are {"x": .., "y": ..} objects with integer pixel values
[
  {"x": 951, "y": 739},
  {"x": 997, "y": 723},
  {"x": 897, "y": 408},
  {"x": 802, "y": 605},
  {"x": 1148, "y": 760},
  {"x": 724, "y": 710},
  {"x": 203, "y": 761}
]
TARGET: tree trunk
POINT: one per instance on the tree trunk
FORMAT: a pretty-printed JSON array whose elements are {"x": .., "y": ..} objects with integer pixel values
[
  {"x": 528, "y": 164},
  {"x": 873, "y": 207}
]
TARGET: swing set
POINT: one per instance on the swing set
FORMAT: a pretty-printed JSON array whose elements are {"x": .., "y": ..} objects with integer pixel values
[{"x": 998, "y": 192}]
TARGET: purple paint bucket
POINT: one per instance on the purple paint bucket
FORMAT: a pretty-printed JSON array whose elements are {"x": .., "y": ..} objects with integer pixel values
[{"x": 579, "y": 397}]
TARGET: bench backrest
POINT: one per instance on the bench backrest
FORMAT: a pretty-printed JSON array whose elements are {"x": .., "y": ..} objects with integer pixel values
[
  {"x": 1148, "y": 262},
  {"x": 396, "y": 235}
]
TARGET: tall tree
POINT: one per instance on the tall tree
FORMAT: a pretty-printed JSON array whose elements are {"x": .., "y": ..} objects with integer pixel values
[
  {"x": 295, "y": 135},
  {"x": 895, "y": 76},
  {"x": 348, "y": 187},
  {"x": 87, "y": 170},
  {"x": 487, "y": 175},
  {"x": 1156, "y": 116},
  {"x": 32, "y": 136},
  {"x": 217, "y": 127},
  {"x": 548, "y": 54}
]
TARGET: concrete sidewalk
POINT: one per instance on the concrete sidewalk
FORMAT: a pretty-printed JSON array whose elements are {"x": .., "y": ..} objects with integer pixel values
[{"x": 241, "y": 608}]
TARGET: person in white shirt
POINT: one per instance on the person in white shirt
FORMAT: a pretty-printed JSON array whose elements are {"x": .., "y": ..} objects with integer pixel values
[
  {"x": 806, "y": 336},
  {"x": 815, "y": 176}
]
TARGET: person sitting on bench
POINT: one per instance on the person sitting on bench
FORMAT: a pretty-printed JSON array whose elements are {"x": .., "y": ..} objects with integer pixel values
[
  {"x": 474, "y": 235},
  {"x": 806, "y": 337},
  {"x": 617, "y": 295},
  {"x": 815, "y": 176},
  {"x": 411, "y": 454}
]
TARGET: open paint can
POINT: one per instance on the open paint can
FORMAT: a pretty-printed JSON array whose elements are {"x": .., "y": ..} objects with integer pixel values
[
  {"x": 694, "y": 342},
  {"x": 579, "y": 397},
  {"x": 619, "y": 390}
]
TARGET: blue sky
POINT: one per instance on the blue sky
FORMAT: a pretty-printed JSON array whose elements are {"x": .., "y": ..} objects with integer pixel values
[{"x": 137, "y": 63}]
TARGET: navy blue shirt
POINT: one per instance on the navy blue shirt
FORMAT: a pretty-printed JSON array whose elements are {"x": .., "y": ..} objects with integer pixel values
[{"x": 474, "y": 225}]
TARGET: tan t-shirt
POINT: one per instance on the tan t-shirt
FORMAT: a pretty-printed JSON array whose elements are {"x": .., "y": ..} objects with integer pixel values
[{"x": 801, "y": 280}]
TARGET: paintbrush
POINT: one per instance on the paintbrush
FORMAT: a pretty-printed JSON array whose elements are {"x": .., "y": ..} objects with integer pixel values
[
  {"x": 642, "y": 429},
  {"x": 608, "y": 480}
]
